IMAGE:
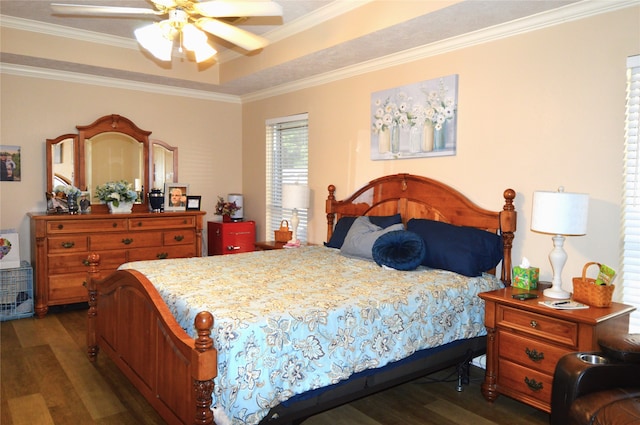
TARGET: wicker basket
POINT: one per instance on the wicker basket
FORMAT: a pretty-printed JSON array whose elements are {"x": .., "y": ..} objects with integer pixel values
[
  {"x": 283, "y": 234},
  {"x": 586, "y": 291}
]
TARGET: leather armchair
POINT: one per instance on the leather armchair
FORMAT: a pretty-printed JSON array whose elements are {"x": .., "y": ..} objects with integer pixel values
[{"x": 598, "y": 388}]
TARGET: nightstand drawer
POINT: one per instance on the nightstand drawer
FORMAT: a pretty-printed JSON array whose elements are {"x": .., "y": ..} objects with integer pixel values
[
  {"x": 552, "y": 329},
  {"x": 525, "y": 381},
  {"x": 530, "y": 352}
]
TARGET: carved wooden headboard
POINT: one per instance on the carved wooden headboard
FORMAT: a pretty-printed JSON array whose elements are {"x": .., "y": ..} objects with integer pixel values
[{"x": 420, "y": 197}]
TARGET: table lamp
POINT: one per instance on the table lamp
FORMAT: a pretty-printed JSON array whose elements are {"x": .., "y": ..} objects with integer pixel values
[
  {"x": 295, "y": 196},
  {"x": 561, "y": 214}
]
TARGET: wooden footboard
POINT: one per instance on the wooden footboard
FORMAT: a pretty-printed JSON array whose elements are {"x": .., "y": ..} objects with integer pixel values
[{"x": 129, "y": 321}]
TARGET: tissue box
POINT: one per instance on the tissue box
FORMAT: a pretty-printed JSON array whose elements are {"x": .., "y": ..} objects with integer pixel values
[{"x": 526, "y": 278}]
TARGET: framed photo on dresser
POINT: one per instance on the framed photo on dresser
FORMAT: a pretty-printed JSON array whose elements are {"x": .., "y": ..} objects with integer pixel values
[
  {"x": 193, "y": 203},
  {"x": 175, "y": 196}
]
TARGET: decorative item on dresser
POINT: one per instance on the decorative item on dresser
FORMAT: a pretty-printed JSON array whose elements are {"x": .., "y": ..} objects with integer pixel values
[
  {"x": 60, "y": 245},
  {"x": 230, "y": 237},
  {"x": 525, "y": 341}
]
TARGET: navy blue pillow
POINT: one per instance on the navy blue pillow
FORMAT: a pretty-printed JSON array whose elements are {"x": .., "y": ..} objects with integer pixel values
[
  {"x": 344, "y": 224},
  {"x": 399, "y": 249},
  {"x": 465, "y": 250}
]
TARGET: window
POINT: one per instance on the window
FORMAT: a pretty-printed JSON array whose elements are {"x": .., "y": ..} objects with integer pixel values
[
  {"x": 287, "y": 162},
  {"x": 631, "y": 206}
]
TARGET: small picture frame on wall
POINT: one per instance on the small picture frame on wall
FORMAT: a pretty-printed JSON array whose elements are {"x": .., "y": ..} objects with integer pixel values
[
  {"x": 175, "y": 196},
  {"x": 193, "y": 203}
]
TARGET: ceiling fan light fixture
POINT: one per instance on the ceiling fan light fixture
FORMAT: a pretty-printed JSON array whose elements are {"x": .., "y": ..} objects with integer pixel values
[
  {"x": 152, "y": 39},
  {"x": 196, "y": 41}
]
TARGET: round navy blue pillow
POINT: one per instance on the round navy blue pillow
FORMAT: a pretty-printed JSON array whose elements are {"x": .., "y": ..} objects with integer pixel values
[{"x": 400, "y": 250}]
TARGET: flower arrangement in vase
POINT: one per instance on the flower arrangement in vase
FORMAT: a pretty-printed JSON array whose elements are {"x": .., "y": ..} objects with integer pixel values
[
  {"x": 226, "y": 209},
  {"x": 115, "y": 193}
]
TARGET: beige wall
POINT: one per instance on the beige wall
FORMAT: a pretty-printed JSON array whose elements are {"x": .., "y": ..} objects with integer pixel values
[
  {"x": 536, "y": 111},
  {"x": 207, "y": 134}
]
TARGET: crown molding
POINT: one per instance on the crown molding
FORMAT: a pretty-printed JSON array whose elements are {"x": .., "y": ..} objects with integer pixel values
[
  {"x": 571, "y": 12},
  {"x": 22, "y": 24},
  {"x": 94, "y": 80}
]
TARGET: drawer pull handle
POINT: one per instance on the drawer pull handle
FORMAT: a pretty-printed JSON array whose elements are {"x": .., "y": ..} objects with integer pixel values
[
  {"x": 85, "y": 262},
  {"x": 114, "y": 225},
  {"x": 534, "y": 355},
  {"x": 60, "y": 226},
  {"x": 533, "y": 324},
  {"x": 68, "y": 245},
  {"x": 533, "y": 384},
  {"x": 139, "y": 224},
  {"x": 178, "y": 238},
  {"x": 232, "y": 248},
  {"x": 127, "y": 241},
  {"x": 162, "y": 255}
]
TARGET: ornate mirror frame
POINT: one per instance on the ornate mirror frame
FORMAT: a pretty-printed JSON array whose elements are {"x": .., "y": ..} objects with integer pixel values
[{"x": 107, "y": 124}]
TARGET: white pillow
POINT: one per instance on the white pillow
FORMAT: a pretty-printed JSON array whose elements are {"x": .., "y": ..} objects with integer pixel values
[{"x": 359, "y": 241}]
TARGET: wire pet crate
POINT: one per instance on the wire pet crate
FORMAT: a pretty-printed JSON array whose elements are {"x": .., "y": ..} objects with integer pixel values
[{"x": 16, "y": 292}]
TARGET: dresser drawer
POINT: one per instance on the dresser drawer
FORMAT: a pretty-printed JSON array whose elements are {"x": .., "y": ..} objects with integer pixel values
[
  {"x": 525, "y": 381},
  {"x": 77, "y": 262},
  {"x": 160, "y": 222},
  {"x": 87, "y": 226},
  {"x": 538, "y": 325},
  {"x": 125, "y": 240},
  {"x": 530, "y": 352},
  {"x": 179, "y": 237},
  {"x": 67, "y": 288},
  {"x": 162, "y": 252},
  {"x": 70, "y": 243}
]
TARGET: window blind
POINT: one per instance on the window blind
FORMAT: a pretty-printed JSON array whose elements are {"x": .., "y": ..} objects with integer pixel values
[
  {"x": 287, "y": 145},
  {"x": 631, "y": 202}
]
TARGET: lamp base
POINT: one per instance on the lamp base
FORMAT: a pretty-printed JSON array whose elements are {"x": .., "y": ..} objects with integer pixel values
[{"x": 556, "y": 293}]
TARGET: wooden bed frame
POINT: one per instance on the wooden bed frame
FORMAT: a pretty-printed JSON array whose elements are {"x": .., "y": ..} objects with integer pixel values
[{"x": 129, "y": 321}]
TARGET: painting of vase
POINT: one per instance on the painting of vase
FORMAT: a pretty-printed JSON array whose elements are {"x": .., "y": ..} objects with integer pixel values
[{"x": 416, "y": 120}]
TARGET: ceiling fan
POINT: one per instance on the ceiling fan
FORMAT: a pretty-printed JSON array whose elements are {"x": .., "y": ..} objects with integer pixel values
[{"x": 187, "y": 21}]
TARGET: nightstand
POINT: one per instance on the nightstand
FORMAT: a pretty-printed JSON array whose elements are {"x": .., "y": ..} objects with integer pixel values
[
  {"x": 231, "y": 237},
  {"x": 269, "y": 245},
  {"x": 525, "y": 340}
]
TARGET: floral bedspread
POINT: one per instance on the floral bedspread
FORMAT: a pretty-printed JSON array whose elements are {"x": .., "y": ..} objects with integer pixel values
[{"x": 292, "y": 320}]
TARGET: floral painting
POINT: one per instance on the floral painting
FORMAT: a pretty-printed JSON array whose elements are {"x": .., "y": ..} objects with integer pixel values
[{"x": 418, "y": 120}]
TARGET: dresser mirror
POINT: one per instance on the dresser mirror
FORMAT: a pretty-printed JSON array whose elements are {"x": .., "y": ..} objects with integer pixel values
[
  {"x": 163, "y": 165},
  {"x": 112, "y": 148},
  {"x": 61, "y": 161}
]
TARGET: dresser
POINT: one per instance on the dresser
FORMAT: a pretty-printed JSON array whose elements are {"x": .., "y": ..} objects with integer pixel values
[
  {"x": 525, "y": 340},
  {"x": 60, "y": 245},
  {"x": 231, "y": 237}
]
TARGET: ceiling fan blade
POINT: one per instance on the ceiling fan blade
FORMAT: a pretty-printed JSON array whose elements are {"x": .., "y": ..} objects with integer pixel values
[
  {"x": 223, "y": 9},
  {"x": 82, "y": 9},
  {"x": 168, "y": 4},
  {"x": 235, "y": 35}
]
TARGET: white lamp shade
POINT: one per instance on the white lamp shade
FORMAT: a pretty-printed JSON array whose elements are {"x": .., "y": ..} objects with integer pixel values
[
  {"x": 560, "y": 213},
  {"x": 152, "y": 38},
  {"x": 295, "y": 196},
  {"x": 197, "y": 41}
]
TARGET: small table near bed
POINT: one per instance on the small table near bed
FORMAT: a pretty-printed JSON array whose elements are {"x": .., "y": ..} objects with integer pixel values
[{"x": 526, "y": 340}]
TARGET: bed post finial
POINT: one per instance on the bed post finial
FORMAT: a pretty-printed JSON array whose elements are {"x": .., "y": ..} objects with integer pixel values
[
  {"x": 508, "y": 218},
  {"x": 203, "y": 383},
  {"x": 331, "y": 216}
]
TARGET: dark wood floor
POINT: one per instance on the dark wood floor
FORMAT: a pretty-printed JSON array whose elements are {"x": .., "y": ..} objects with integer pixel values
[{"x": 47, "y": 379}]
